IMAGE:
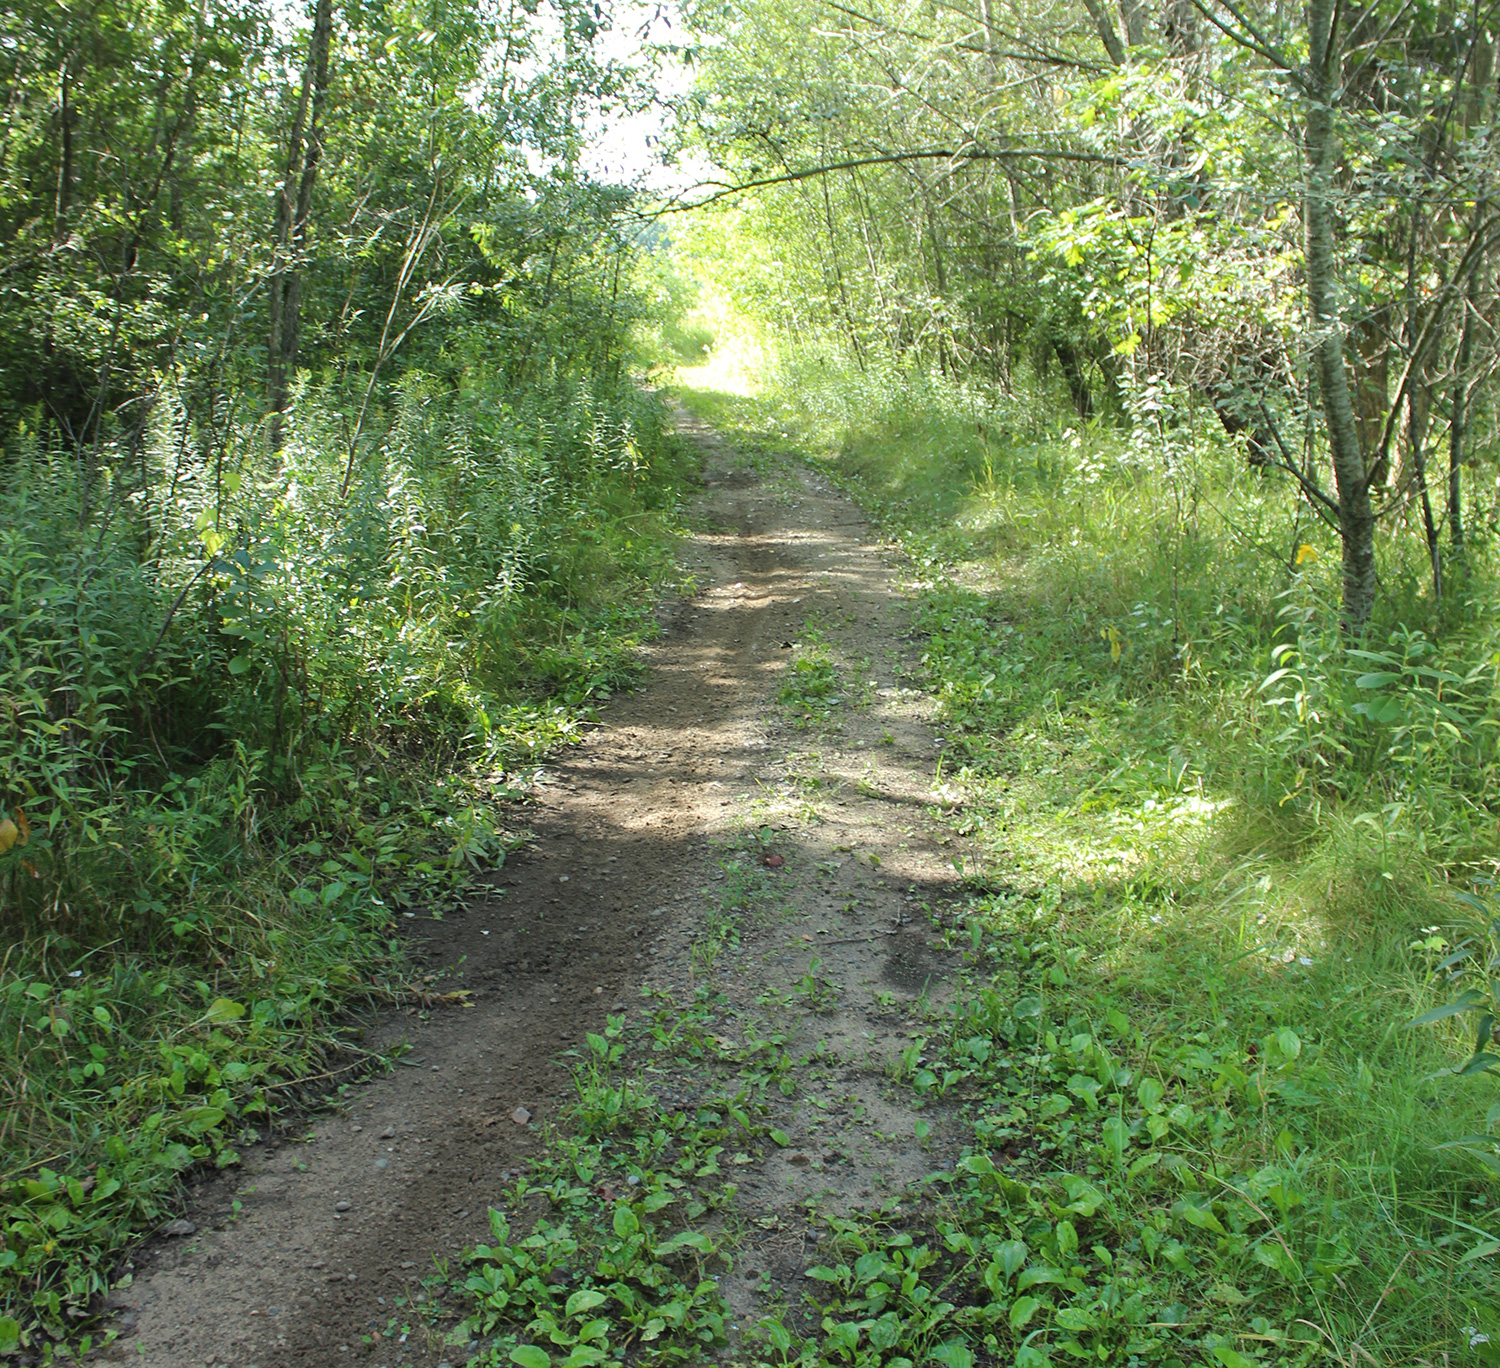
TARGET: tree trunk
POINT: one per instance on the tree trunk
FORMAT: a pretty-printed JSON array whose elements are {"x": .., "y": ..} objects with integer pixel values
[
  {"x": 1416, "y": 429},
  {"x": 1133, "y": 17},
  {"x": 838, "y": 275},
  {"x": 293, "y": 209},
  {"x": 1072, "y": 369},
  {"x": 1458, "y": 427},
  {"x": 63, "y": 198},
  {"x": 1356, "y": 518},
  {"x": 1106, "y": 30}
]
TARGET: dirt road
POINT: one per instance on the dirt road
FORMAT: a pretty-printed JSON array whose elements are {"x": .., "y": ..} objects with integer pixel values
[{"x": 300, "y": 1257}]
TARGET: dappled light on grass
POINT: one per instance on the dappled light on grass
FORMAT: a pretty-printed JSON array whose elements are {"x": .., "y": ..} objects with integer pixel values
[{"x": 1209, "y": 904}]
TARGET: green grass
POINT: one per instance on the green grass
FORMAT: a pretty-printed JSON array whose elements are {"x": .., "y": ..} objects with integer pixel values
[{"x": 1205, "y": 913}]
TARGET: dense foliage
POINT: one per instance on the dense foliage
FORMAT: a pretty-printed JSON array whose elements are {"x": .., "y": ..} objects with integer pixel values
[
  {"x": 328, "y": 504},
  {"x": 1217, "y": 1106},
  {"x": 1282, "y": 219}
]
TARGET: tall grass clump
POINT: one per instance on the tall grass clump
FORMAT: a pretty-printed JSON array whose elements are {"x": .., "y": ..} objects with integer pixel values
[
  {"x": 1221, "y": 845},
  {"x": 256, "y": 708}
]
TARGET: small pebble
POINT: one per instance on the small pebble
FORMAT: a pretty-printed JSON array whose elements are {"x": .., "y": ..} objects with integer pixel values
[
  {"x": 521, "y": 1116},
  {"x": 389, "y": 1133},
  {"x": 179, "y": 1227},
  {"x": 342, "y": 1206}
]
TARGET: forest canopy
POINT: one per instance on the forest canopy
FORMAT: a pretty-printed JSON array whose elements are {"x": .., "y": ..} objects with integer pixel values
[{"x": 1283, "y": 217}]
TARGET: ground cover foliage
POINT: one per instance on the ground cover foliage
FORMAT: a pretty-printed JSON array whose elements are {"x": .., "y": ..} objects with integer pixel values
[
  {"x": 1226, "y": 1106},
  {"x": 330, "y": 507},
  {"x": 217, "y": 847}
]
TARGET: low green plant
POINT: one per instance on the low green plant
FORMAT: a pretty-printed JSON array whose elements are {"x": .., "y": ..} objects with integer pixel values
[
  {"x": 813, "y": 687},
  {"x": 818, "y": 992},
  {"x": 594, "y": 1295},
  {"x": 1474, "y": 967},
  {"x": 598, "y": 1280}
]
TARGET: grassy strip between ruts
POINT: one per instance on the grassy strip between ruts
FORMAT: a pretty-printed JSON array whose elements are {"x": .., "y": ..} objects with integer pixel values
[{"x": 1203, "y": 1130}]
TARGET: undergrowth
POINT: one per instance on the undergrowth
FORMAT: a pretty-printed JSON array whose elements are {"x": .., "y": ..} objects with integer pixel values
[
  {"x": 618, "y": 1265},
  {"x": 251, "y": 725},
  {"x": 1227, "y": 862}
]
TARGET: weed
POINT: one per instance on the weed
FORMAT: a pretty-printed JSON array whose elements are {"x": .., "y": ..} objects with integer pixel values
[
  {"x": 818, "y": 992},
  {"x": 602, "y": 1282},
  {"x": 813, "y": 687}
]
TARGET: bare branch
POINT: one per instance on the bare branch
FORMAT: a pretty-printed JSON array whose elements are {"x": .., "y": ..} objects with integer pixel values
[{"x": 958, "y": 158}]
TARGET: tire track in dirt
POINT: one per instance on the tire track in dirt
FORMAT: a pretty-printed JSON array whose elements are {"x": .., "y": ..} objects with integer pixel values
[{"x": 301, "y": 1254}]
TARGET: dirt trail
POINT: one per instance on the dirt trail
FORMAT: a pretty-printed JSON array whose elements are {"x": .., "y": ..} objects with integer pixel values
[{"x": 300, "y": 1256}]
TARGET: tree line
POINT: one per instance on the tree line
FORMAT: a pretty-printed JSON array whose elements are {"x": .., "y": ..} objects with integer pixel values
[{"x": 1284, "y": 215}]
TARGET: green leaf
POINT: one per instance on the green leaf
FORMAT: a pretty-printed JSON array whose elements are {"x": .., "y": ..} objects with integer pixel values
[
  {"x": 626, "y": 1223},
  {"x": 530, "y": 1356},
  {"x": 10, "y": 1335},
  {"x": 781, "y": 1138},
  {"x": 1038, "y": 1273},
  {"x": 1464, "y": 1002},
  {"x": 954, "y": 1354},
  {"x": 1481, "y": 1063},
  {"x": 776, "y": 1334},
  {"x": 1022, "y": 1310},
  {"x": 221, "y": 1011},
  {"x": 1230, "y": 1359},
  {"x": 1201, "y": 1217},
  {"x": 1273, "y": 1254},
  {"x": 585, "y": 1300},
  {"x": 201, "y": 1119}
]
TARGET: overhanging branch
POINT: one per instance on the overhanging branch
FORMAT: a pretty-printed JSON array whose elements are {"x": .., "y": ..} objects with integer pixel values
[{"x": 723, "y": 190}]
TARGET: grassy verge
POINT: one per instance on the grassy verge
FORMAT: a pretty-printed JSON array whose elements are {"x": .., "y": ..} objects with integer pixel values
[
  {"x": 1212, "y": 900},
  {"x": 235, "y": 764}
]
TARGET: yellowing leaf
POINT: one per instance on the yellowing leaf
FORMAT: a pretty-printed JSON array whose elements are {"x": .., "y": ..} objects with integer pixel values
[
  {"x": 1306, "y": 555},
  {"x": 10, "y": 833}
]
